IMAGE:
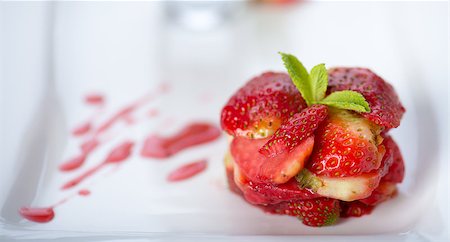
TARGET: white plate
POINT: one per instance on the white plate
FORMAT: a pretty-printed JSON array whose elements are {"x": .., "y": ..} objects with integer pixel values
[{"x": 125, "y": 53}]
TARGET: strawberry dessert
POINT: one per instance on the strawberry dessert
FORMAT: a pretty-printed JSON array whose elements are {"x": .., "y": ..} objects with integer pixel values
[{"x": 314, "y": 145}]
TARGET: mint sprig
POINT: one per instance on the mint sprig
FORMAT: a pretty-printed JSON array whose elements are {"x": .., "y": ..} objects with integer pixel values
[
  {"x": 313, "y": 87},
  {"x": 350, "y": 100}
]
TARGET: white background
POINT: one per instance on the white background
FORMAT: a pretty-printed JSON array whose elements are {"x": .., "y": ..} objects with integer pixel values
[{"x": 54, "y": 53}]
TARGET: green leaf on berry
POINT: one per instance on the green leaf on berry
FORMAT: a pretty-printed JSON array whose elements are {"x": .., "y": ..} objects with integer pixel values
[
  {"x": 313, "y": 87},
  {"x": 299, "y": 76},
  {"x": 319, "y": 81},
  {"x": 349, "y": 100}
]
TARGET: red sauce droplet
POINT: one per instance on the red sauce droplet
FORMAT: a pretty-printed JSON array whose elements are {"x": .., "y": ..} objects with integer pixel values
[
  {"x": 73, "y": 163},
  {"x": 90, "y": 145},
  {"x": 82, "y": 129},
  {"x": 122, "y": 113},
  {"x": 84, "y": 192},
  {"x": 187, "y": 171},
  {"x": 118, "y": 154},
  {"x": 94, "y": 99},
  {"x": 39, "y": 215},
  {"x": 111, "y": 121},
  {"x": 191, "y": 135},
  {"x": 77, "y": 161},
  {"x": 83, "y": 176}
]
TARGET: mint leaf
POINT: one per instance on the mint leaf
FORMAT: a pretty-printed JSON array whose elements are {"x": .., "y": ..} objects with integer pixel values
[
  {"x": 349, "y": 100},
  {"x": 313, "y": 86},
  {"x": 319, "y": 81},
  {"x": 300, "y": 77}
]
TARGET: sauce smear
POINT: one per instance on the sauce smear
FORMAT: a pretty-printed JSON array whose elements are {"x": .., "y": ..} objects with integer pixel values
[
  {"x": 94, "y": 99},
  {"x": 77, "y": 161},
  {"x": 90, "y": 145},
  {"x": 118, "y": 154},
  {"x": 38, "y": 215},
  {"x": 82, "y": 129},
  {"x": 84, "y": 192},
  {"x": 191, "y": 135},
  {"x": 187, "y": 171},
  {"x": 73, "y": 163},
  {"x": 122, "y": 114}
]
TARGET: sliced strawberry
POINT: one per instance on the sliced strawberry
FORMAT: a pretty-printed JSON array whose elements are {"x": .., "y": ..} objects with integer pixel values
[
  {"x": 346, "y": 145},
  {"x": 313, "y": 212},
  {"x": 363, "y": 186},
  {"x": 391, "y": 172},
  {"x": 343, "y": 188},
  {"x": 386, "y": 109},
  {"x": 229, "y": 168},
  {"x": 261, "y": 169},
  {"x": 258, "y": 109},
  {"x": 383, "y": 192},
  {"x": 295, "y": 130},
  {"x": 396, "y": 171},
  {"x": 388, "y": 158},
  {"x": 355, "y": 209},
  {"x": 263, "y": 193},
  {"x": 232, "y": 184},
  {"x": 228, "y": 162},
  {"x": 260, "y": 193}
]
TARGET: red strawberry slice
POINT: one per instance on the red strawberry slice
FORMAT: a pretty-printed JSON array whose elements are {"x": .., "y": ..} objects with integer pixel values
[
  {"x": 261, "y": 169},
  {"x": 343, "y": 188},
  {"x": 264, "y": 193},
  {"x": 362, "y": 186},
  {"x": 346, "y": 145},
  {"x": 295, "y": 130},
  {"x": 386, "y": 109},
  {"x": 261, "y": 193},
  {"x": 383, "y": 192},
  {"x": 232, "y": 184},
  {"x": 313, "y": 212},
  {"x": 259, "y": 108},
  {"x": 355, "y": 209},
  {"x": 388, "y": 158},
  {"x": 396, "y": 171},
  {"x": 229, "y": 168}
]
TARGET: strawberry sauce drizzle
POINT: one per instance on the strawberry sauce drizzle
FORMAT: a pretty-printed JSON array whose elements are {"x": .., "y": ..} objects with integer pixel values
[
  {"x": 38, "y": 215},
  {"x": 75, "y": 162},
  {"x": 191, "y": 135},
  {"x": 122, "y": 114},
  {"x": 82, "y": 129},
  {"x": 187, "y": 171},
  {"x": 41, "y": 214},
  {"x": 46, "y": 214},
  {"x": 91, "y": 144},
  {"x": 117, "y": 155},
  {"x": 94, "y": 99},
  {"x": 87, "y": 126},
  {"x": 84, "y": 192}
]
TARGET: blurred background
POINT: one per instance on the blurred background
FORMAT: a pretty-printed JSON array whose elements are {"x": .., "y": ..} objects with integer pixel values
[{"x": 53, "y": 53}]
